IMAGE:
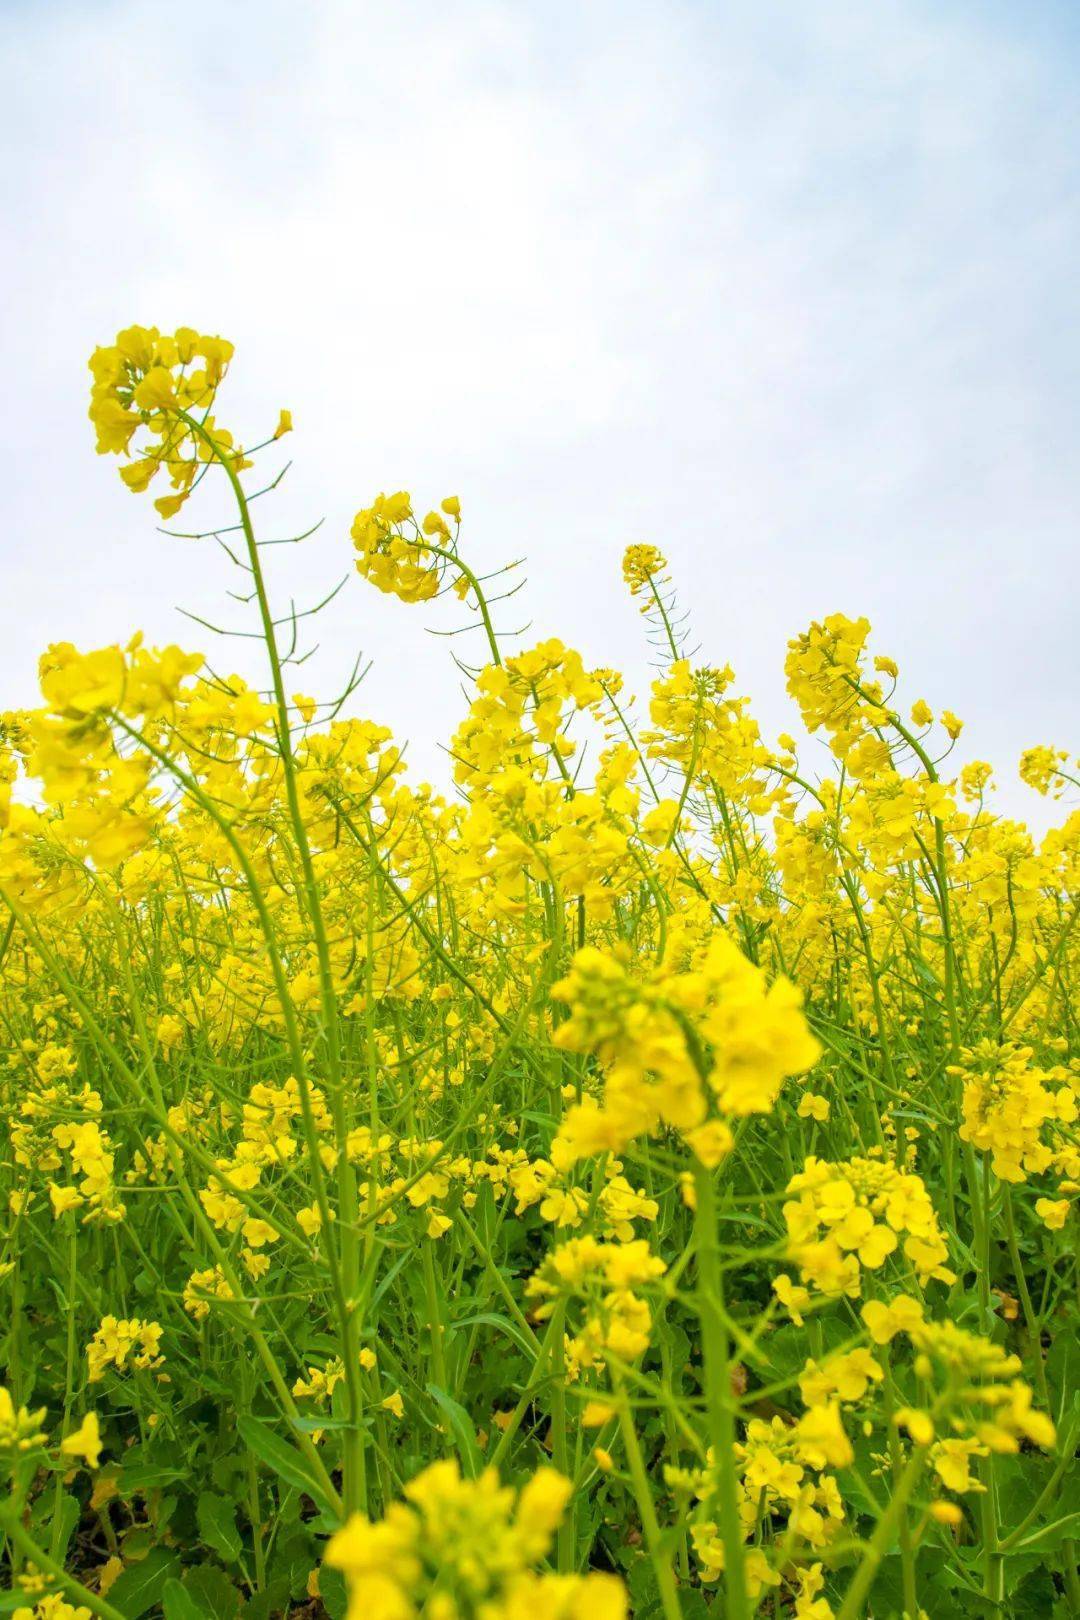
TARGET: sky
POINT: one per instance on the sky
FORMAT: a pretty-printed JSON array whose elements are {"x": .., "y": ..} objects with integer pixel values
[{"x": 786, "y": 287}]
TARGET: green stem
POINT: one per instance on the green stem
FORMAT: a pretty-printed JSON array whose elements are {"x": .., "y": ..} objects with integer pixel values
[
  {"x": 69, "y": 1375},
  {"x": 474, "y": 584},
  {"x": 881, "y": 1539},
  {"x": 661, "y": 1559},
  {"x": 719, "y": 1397},
  {"x": 907, "y": 1556},
  {"x": 255, "y": 1511},
  {"x": 345, "y": 1265},
  {"x": 434, "y": 1321},
  {"x": 559, "y": 1447},
  {"x": 1032, "y": 1322}
]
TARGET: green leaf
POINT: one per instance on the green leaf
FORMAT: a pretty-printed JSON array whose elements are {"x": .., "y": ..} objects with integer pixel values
[
  {"x": 321, "y": 1424},
  {"x": 136, "y": 1542},
  {"x": 270, "y": 1602},
  {"x": 1050, "y": 1535},
  {"x": 179, "y": 1603},
  {"x": 293, "y": 1558},
  {"x": 332, "y": 1592},
  {"x": 462, "y": 1427},
  {"x": 1034, "y": 1597},
  {"x": 140, "y": 1586},
  {"x": 282, "y": 1459},
  {"x": 505, "y": 1324},
  {"x": 212, "y": 1588},
  {"x": 217, "y": 1525},
  {"x": 390, "y": 1274},
  {"x": 1063, "y": 1369},
  {"x": 146, "y": 1477},
  {"x": 70, "y": 1512},
  {"x": 695, "y": 1606},
  {"x": 1018, "y": 1481}
]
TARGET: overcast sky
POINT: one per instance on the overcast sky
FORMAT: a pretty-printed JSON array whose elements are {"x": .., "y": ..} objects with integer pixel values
[{"x": 788, "y": 287}]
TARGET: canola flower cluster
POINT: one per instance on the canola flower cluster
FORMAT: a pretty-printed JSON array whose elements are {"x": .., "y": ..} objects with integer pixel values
[
  {"x": 151, "y": 403},
  {"x": 459, "y": 1547},
  {"x": 640, "y": 1177}
]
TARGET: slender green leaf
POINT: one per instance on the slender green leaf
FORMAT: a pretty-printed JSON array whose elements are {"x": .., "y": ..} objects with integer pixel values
[
  {"x": 504, "y": 1324},
  {"x": 461, "y": 1426},
  {"x": 280, "y": 1457}
]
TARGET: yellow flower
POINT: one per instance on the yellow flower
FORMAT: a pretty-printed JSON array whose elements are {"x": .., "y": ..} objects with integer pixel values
[
  {"x": 1052, "y": 1211},
  {"x": 794, "y": 1298},
  {"x": 472, "y": 1536},
  {"x": 170, "y": 1032},
  {"x": 63, "y": 1199},
  {"x": 257, "y": 1233},
  {"x": 711, "y": 1142},
  {"x": 812, "y": 1106},
  {"x": 155, "y": 392},
  {"x": 951, "y": 1461},
  {"x": 918, "y": 1424},
  {"x": 142, "y": 383},
  {"x": 642, "y": 564},
  {"x": 876, "y": 1246},
  {"x": 123, "y": 1344},
  {"x": 85, "y": 1441},
  {"x": 1041, "y": 768},
  {"x": 821, "y": 1440},
  {"x": 885, "y": 1321},
  {"x": 847, "y": 1376},
  {"x": 20, "y": 1430}
]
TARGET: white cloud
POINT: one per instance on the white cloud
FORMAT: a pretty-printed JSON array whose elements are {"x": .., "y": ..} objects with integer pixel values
[{"x": 786, "y": 289}]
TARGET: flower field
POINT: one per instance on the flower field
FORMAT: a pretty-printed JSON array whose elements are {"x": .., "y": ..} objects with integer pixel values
[{"x": 640, "y": 1179}]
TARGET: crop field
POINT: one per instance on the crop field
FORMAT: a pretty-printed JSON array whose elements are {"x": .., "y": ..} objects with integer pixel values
[{"x": 638, "y": 1177}]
